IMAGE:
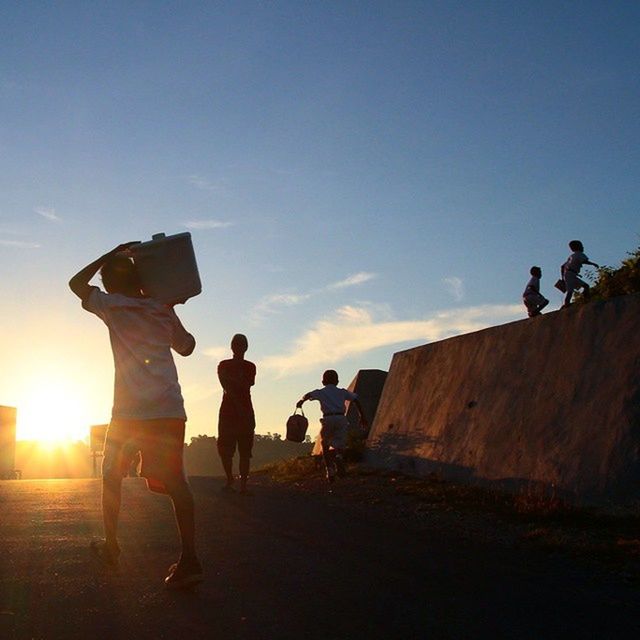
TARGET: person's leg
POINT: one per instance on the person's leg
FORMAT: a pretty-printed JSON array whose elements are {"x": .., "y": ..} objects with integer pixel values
[
  {"x": 187, "y": 572},
  {"x": 183, "y": 507},
  {"x": 340, "y": 443},
  {"x": 227, "y": 442},
  {"x": 227, "y": 464},
  {"x": 162, "y": 465},
  {"x": 114, "y": 466},
  {"x": 328, "y": 453},
  {"x": 586, "y": 291},
  {"x": 567, "y": 296},
  {"x": 111, "y": 498},
  {"x": 245, "y": 447},
  {"x": 341, "y": 468},
  {"x": 530, "y": 306},
  {"x": 245, "y": 465},
  {"x": 572, "y": 283}
]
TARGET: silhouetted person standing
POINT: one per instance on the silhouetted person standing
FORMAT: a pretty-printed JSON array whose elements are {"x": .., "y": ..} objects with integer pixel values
[
  {"x": 148, "y": 409},
  {"x": 236, "y": 423}
]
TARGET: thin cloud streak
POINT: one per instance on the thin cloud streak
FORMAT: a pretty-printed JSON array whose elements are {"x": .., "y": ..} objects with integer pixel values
[
  {"x": 270, "y": 304},
  {"x": 455, "y": 286},
  {"x": 352, "y": 331},
  {"x": 353, "y": 280},
  {"x": 19, "y": 244},
  {"x": 207, "y": 224},
  {"x": 200, "y": 182},
  {"x": 47, "y": 212}
]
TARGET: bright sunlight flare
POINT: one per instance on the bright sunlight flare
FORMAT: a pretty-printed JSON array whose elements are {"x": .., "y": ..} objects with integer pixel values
[{"x": 52, "y": 411}]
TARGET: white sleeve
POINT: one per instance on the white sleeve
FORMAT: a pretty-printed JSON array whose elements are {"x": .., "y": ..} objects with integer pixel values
[{"x": 96, "y": 302}]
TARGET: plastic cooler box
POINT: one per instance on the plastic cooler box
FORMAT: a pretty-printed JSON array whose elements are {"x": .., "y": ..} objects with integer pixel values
[{"x": 167, "y": 267}]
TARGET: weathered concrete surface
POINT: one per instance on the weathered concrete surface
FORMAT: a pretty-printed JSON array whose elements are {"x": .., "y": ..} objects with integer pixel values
[
  {"x": 552, "y": 400},
  {"x": 368, "y": 384}
]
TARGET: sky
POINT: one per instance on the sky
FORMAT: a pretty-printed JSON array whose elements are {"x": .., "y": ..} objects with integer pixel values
[{"x": 358, "y": 178}]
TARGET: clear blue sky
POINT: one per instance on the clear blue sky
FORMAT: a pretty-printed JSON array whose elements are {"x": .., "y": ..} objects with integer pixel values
[{"x": 358, "y": 177}]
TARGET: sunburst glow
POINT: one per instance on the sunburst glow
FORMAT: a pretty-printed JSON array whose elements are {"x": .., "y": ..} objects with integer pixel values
[{"x": 53, "y": 411}]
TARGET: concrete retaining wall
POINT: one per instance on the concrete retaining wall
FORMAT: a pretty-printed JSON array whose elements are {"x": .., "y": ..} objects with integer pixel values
[{"x": 553, "y": 400}]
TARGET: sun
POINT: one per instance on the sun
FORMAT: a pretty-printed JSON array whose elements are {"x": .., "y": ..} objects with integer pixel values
[{"x": 53, "y": 411}]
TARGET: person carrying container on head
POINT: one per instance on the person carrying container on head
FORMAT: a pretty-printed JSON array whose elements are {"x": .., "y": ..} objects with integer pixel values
[
  {"x": 148, "y": 409},
  {"x": 571, "y": 272},
  {"x": 333, "y": 433}
]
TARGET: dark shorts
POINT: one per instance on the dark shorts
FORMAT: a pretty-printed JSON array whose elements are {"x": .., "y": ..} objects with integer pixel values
[
  {"x": 230, "y": 438},
  {"x": 235, "y": 430},
  {"x": 160, "y": 442}
]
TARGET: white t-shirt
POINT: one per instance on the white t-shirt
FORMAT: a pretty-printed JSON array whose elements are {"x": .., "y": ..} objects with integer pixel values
[
  {"x": 575, "y": 261},
  {"x": 142, "y": 332},
  {"x": 533, "y": 287},
  {"x": 331, "y": 398}
]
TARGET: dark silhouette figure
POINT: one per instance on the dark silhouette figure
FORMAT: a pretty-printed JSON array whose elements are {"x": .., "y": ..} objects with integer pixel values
[
  {"x": 148, "y": 409},
  {"x": 533, "y": 300},
  {"x": 333, "y": 433},
  {"x": 236, "y": 423},
  {"x": 571, "y": 272}
]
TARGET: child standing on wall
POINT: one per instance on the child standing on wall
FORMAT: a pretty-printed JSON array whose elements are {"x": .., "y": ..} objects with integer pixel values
[
  {"x": 333, "y": 434},
  {"x": 571, "y": 272},
  {"x": 533, "y": 300}
]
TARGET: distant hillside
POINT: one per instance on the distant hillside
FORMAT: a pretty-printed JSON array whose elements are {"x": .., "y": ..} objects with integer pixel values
[
  {"x": 201, "y": 455},
  {"x": 73, "y": 460}
]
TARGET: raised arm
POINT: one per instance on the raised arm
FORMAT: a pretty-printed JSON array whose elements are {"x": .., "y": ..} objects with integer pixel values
[
  {"x": 79, "y": 284},
  {"x": 305, "y": 397},
  {"x": 183, "y": 342}
]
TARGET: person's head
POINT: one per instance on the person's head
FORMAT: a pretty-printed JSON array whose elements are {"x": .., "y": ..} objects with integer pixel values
[
  {"x": 119, "y": 275},
  {"x": 239, "y": 344},
  {"x": 330, "y": 377},
  {"x": 536, "y": 272},
  {"x": 576, "y": 245}
]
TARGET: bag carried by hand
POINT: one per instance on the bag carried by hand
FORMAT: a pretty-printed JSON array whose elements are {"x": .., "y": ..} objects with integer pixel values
[
  {"x": 561, "y": 285},
  {"x": 297, "y": 426}
]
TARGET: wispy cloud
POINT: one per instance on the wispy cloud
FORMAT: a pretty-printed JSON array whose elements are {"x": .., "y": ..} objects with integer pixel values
[
  {"x": 351, "y": 331},
  {"x": 47, "y": 212},
  {"x": 216, "y": 353},
  {"x": 455, "y": 286},
  {"x": 19, "y": 244},
  {"x": 200, "y": 182},
  {"x": 353, "y": 280},
  {"x": 271, "y": 303},
  {"x": 207, "y": 224}
]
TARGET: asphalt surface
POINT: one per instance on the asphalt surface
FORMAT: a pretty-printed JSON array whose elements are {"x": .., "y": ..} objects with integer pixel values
[{"x": 282, "y": 564}]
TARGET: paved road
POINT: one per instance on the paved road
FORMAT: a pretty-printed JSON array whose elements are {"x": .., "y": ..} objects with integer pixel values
[{"x": 282, "y": 565}]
